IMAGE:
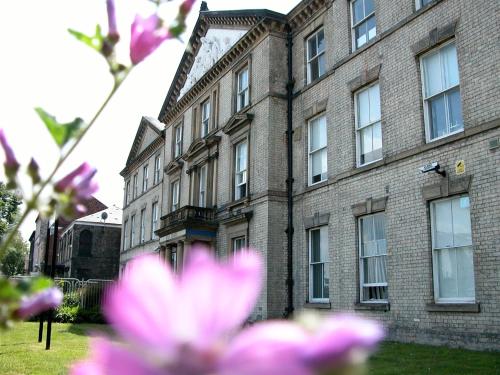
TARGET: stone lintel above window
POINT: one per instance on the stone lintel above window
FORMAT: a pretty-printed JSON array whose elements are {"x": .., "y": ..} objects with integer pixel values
[
  {"x": 435, "y": 37},
  {"x": 453, "y": 307},
  {"x": 369, "y": 206},
  {"x": 447, "y": 187},
  {"x": 315, "y": 109},
  {"x": 317, "y": 220},
  {"x": 366, "y": 77}
]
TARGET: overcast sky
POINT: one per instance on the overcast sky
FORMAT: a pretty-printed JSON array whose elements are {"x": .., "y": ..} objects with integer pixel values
[{"x": 42, "y": 65}]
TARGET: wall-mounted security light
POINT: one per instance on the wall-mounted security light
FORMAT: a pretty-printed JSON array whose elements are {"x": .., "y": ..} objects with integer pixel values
[{"x": 433, "y": 167}]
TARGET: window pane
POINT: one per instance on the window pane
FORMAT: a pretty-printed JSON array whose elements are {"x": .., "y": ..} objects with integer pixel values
[
  {"x": 432, "y": 73},
  {"x": 447, "y": 269},
  {"x": 374, "y": 96},
  {"x": 379, "y": 233},
  {"x": 360, "y": 34},
  {"x": 375, "y": 293},
  {"x": 461, "y": 222},
  {"x": 366, "y": 140},
  {"x": 312, "y": 50},
  {"x": 314, "y": 69},
  {"x": 315, "y": 246},
  {"x": 324, "y": 243},
  {"x": 357, "y": 9},
  {"x": 455, "y": 110},
  {"x": 241, "y": 157},
  {"x": 369, "y": 7},
  {"x": 363, "y": 108},
  {"x": 377, "y": 137},
  {"x": 321, "y": 63},
  {"x": 437, "y": 117},
  {"x": 371, "y": 27},
  {"x": 450, "y": 66},
  {"x": 321, "y": 41},
  {"x": 465, "y": 272},
  {"x": 317, "y": 166},
  {"x": 318, "y": 134},
  {"x": 374, "y": 270},
  {"x": 317, "y": 280},
  {"x": 443, "y": 230}
]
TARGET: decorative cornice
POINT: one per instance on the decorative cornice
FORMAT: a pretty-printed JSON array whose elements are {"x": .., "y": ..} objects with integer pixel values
[
  {"x": 173, "y": 166},
  {"x": 145, "y": 154},
  {"x": 304, "y": 11},
  {"x": 236, "y": 121}
]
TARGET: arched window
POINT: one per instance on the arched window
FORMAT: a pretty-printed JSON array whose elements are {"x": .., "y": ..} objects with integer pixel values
[{"x": 85, "y": 243}]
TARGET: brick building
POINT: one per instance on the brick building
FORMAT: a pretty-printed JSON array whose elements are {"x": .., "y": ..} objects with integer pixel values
[{"x": 355, "y": 144}]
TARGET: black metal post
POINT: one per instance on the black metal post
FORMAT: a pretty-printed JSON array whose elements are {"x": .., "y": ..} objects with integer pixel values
[
  {"x": 52, "y": 276},
  {"x": 44, "y": 271}
]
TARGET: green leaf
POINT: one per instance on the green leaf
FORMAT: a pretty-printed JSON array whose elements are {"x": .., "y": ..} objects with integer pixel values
[
  {"x": 96, "y": 41},
  {"x": 61, "y": 133}
]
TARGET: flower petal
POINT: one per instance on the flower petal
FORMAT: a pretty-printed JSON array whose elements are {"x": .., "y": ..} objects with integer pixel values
[
  {"x": 45, "y": 300},
  {"x": 141, "y": 305},
  {"x": 146, "y": 36},
  {"x": 216, "y": 298}
]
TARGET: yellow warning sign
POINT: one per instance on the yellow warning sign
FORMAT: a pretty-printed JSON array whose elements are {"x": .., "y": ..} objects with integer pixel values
[{"x": 460, "y": 167}]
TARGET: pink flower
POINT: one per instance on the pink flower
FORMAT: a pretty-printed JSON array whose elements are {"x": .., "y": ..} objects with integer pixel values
[
  {"x": 47, "y": 299},
  {"x": 78, "y": 183},
  {"x": 147, "y": 34},
  {"x": 112, "y": 29},
  {"x": 11, "y": 165}
]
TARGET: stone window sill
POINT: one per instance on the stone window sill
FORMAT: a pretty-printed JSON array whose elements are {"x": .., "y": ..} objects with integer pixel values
[
  {"x": 384, "y": 306},
  {"x": 453, "y": 307},
  {"x": 318, "y": 305}
]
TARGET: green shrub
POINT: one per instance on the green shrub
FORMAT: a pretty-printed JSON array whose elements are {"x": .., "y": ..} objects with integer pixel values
[
  {"x": 92, "y": 315},
  {"x": 71, "y": 300},
  {"x": 67, "y": 314}
]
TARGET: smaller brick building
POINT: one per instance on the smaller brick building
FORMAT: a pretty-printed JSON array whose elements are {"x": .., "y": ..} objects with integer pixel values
[{"x": 89, "y": 248}]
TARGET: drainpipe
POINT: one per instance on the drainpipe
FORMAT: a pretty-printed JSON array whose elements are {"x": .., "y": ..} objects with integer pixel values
[{"x": 289, "y": 181}]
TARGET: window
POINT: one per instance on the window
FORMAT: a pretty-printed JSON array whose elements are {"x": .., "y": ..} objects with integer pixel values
[
  {"x": 363, "y": 22},
  {"x": 135, "y": 191},
  {"x": 452, "y": 250},
  {"x": 85, "y": 243},
  {"x": 318, "y": 265},
  {"x": 125, "y": 235},
  {"x": 157, "y": 169},
  {"x": 154, "y": 220},
  {"x": 317, "y": 150},
  {"x": 372, "y": 259},
  {"x": 441, "y": 91},
  {"x": 239, "y": 243},
  {"x": 422, "y": 3},
  {"x": 240, "y": 171},
  {"x": 205, "y": 118},
  {"x": 127, "y": 192},
  {"x": 178, "y": 141},
  {"x": 132, "y": 231},
  {"x": 202, "y": 188},
  {"x": 173, "y": 258},
  {"x": 242, "y": 90},
  {"x": 315, "y": 56},
  {"x": 145, "y": 178},
  {"x": 142, "y": 234},
  {"x": 175, "y": 195},
  {"x": 368, "y": 126}
]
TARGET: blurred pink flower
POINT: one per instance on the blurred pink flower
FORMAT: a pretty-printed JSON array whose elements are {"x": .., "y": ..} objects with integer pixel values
[
  {"x": 189, "y": 324},
  {"x": 78, "y": 183},
  {"x": 11, "y": 164},
  {"x": 47, "y": 299},
  {"x": 147, "y": 34}
]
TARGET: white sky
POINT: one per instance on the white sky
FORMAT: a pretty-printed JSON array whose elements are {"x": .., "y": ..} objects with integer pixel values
[{"x": 42, "y": 65}]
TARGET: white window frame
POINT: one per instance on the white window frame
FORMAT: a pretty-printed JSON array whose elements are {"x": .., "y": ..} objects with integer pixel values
[
  {"x": 242, "y": 93},
  {"x": 362, "y": 258},
  {"x": 125, "y": 234},
  {"x": 127, "y": 192},
  {"x": 135, "y": 187},
  {"x": 157, "y": 167},
  {"x": 243, "y": 172},
  {"x": 323, "y": 230},
  {"x": 142, "y": 229},
  {"x": 435, "y": 268},
  {"x": 205, "y": 118},
  {"x": 154, "y": 220},
  {"x": 175, "y": 191},
  {"x": 354, "y": 26},
  {"x": 202, "y": 186},
  {"x": 311, "y": 152},
  {"x": 425, "y": 99},
  {"x": 317, "y": 57},
  {"x": 234, "y": 243},
  {"x": 419, "y": 4},
  {"x": 178, "y": 141},
  {"x": 371, "y": 124},
  {"x": 132, "y": 231},
  {"x": 145, "y": 177}
]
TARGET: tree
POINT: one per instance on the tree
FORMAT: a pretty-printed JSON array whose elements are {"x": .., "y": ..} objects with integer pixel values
[
  {"x": 9, "y": 207},
  {"x": 12, "y": 263}
]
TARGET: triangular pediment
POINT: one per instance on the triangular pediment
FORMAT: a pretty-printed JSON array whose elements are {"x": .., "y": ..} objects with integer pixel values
[
  {"x": 148, "y": 132},
  {"x": 200, "y": 145},
  {"x": 236, "y": 121}
]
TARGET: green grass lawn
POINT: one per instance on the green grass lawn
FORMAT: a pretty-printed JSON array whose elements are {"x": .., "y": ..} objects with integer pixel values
[{"x": 20, "y": 353}]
